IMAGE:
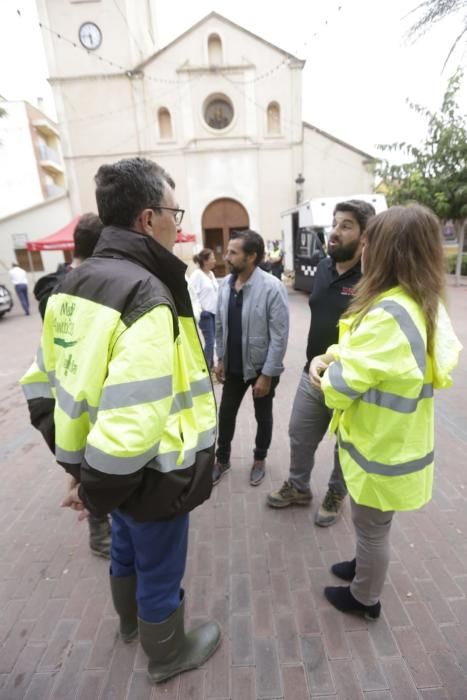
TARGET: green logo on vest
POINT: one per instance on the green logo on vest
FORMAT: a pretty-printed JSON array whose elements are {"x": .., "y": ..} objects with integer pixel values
[{"x": 64, "y": 343}]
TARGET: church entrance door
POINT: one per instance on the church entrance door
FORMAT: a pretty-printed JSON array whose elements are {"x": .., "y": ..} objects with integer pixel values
[{"x": 220, "y": 218}]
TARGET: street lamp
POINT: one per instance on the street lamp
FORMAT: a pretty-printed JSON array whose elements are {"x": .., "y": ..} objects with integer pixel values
[{"x": 299, "y": 181}]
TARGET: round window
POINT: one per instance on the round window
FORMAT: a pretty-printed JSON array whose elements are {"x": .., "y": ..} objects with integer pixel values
[{"x": 218, "y": 112}]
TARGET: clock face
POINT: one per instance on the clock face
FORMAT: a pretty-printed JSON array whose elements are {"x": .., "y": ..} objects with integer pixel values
[{"x": 90, "y": 36}]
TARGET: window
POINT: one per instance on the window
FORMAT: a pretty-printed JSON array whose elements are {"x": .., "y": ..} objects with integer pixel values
[
  {"x": 215, "y": 50},
  {"x": 274, "y": 119},
  {"x": 218, "y": 112},
  {"x": 165, "y": 124}
]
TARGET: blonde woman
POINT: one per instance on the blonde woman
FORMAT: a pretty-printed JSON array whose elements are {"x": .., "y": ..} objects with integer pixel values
[{"x": 396, "y": 345}]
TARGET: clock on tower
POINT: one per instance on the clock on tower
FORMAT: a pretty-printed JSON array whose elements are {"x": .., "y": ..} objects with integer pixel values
[{"x": 90, "y": 36}]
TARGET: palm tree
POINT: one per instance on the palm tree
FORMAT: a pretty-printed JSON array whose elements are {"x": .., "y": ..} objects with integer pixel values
[{"x": 434, "y": 11}]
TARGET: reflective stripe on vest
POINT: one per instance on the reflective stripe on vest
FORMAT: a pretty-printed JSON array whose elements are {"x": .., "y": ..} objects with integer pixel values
[
  {"x": 133, "y": 393},
  {"x": 371, "y": 467},
  {"x": 408, "y": 328},
  {"x": 72, "y": 407},
  {"x": 110, "y": 464},
  {"x": 37, "y": 390},
  {"x": 69, "y": 456},
  {"x": 184, "y": 399},
  {"x": 338, "y": 382},
  {"x": 385, "y": 399}
]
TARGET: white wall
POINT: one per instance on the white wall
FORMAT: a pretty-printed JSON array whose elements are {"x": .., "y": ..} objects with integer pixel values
[
  {"x": 331, "y": 168},
  {"x": 115, "y": 117},
  {"x": 20, "y": 185},
  {"x": 36, "y": 222}
]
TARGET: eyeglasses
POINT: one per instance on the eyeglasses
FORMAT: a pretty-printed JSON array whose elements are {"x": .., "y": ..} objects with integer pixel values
[{"x": 178, "y": 213}]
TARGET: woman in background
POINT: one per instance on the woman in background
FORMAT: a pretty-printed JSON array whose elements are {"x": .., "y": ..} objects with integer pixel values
[
  {"x": 204, "y": 284},
  {"x": 396, "y": 344}
]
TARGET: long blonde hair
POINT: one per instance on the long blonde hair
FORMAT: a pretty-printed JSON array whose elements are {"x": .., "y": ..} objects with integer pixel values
[{"x": 403, "y": 246}]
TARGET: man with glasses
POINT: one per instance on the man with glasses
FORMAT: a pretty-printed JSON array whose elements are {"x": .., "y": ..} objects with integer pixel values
[{"x": 121, "y": 391}]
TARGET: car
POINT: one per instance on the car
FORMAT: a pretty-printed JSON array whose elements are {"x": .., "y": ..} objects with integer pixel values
[{"x": 6, "y": 300}]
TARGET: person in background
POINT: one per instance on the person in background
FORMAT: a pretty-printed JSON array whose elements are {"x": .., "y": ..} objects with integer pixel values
[
  {"x": 252, "y": 328},
  {"x": 335, "y": 281},
  {"x": 396, "y": 346},
  {"x": 204, "y": 284},
  {"x": 276, "y": 260},
  {"x": 85, "y": 236},
  {"x": 19, "y": 279},
  {"x": 121, "y": 389}
]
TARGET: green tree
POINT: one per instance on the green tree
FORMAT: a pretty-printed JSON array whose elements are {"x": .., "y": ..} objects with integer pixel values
[{"x": 434, "y": 173}]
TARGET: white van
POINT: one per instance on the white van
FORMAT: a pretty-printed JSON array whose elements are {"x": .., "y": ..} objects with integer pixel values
[{"x": 305, "y": 229}]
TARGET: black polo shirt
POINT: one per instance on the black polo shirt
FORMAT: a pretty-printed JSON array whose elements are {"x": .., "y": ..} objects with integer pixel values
[
  {"x": 234, "y": 334},
  {"x": 331, "y": 295}
]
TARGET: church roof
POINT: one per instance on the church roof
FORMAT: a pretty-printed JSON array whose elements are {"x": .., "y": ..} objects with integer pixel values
[
  {"x": 215, "y": 15},
  {"x": 326, "y": 135}
]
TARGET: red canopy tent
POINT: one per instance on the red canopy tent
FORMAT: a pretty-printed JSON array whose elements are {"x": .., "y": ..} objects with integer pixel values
[
  {"x": 183, "y": 237},
  {"x": 63, "y": 238},
  {"x": 60, "y": 240}
]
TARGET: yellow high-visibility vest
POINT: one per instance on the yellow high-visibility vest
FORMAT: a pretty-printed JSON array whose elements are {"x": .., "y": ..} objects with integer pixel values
[{"x": 381, "y": 387}]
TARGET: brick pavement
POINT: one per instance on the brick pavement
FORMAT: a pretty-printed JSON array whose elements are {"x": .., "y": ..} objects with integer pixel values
[{"x": 259, "y": 572}]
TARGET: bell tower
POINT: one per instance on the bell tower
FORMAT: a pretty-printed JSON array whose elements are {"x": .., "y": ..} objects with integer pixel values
[
  {"x": 88, "y": 37},
  {"x": 92, "y": 48}
]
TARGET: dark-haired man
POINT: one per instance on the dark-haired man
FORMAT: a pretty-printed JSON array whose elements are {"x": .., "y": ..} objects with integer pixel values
[
  {"x": 122, "y": 391},
  {"x": 335, "y": 279},
  {"x": 252, "y": 326}
]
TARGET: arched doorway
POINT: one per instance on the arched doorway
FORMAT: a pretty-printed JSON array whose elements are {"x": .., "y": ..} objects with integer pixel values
[{"x": 220, "y": 218}]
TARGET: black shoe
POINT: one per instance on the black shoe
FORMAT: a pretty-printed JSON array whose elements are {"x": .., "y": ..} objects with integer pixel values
[
  {"x": 218, "y": 472},
  {"x": 345, "y": 570},
  {"x": 342, "y": 599}
]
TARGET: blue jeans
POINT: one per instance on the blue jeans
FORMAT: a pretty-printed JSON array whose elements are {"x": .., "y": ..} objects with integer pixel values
[
  {"x": 22, "y": 294},
  {"x": 156, "y": 553},
  {"x": 207, "y": 324}
]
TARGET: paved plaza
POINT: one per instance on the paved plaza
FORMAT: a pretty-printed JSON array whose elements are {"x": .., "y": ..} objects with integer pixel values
[{"x": 258, "y": 571}]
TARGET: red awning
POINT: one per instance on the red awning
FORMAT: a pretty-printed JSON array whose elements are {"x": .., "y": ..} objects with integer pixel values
[
  {"x": 63, "y": 238},
  {"x": 184, "y": 237},
  {"x": 60, "y": 240}
]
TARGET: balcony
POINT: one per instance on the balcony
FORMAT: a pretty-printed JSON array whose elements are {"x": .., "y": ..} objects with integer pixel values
[
  {"x": 50, "y": 159},
  {"x": 44, "y": 126},
  {"x": 54, "y": 190}
]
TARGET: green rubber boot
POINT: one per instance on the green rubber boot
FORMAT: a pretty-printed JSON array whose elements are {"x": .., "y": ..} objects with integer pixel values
[
  {"x": 171, "y": 651},
  {"x": 124, "y": 599}
]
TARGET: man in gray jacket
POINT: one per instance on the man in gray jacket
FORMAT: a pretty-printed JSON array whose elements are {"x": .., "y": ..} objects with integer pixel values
[{"x": 252, "y": 326}]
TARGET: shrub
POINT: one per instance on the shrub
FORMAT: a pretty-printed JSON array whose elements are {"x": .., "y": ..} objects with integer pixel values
[{"x": 451, "y": 264}]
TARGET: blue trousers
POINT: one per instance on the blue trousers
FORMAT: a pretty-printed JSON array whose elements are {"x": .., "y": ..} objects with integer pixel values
[
  {"x": 156, "y": 553},
  {"x": 22, "y": 294},
  {"x": 207, "y": 323}
]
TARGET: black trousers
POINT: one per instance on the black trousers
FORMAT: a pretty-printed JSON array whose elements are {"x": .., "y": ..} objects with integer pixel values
[{"x": 232, "y": 394}]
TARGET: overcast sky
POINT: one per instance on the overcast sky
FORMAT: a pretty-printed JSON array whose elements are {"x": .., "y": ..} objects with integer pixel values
[{"x": 360, "y": 67}]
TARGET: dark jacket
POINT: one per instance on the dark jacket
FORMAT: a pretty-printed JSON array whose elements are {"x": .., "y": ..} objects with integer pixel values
[{"x": 105, "y": 398}]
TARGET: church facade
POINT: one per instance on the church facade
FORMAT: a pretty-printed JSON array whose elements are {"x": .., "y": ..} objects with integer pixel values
[{"x": 219, "y": 107}]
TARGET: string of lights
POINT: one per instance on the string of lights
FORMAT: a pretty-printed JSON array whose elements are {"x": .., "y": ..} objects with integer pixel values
[{"x": 144, "y": 76}]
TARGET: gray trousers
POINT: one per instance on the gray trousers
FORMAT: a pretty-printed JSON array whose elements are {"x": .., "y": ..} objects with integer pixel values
[
  {"x": 308, "y": 425},
  {"x": 372, "y": 527}
]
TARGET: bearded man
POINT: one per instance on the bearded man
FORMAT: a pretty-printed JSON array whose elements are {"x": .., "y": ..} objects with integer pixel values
[{"x": 336, "y": 277}]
